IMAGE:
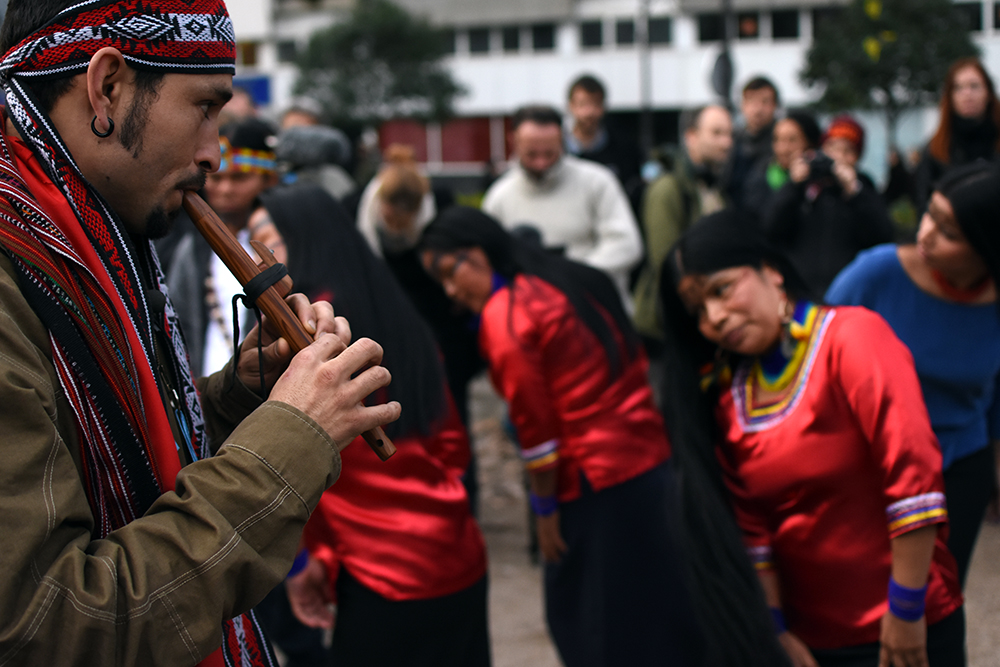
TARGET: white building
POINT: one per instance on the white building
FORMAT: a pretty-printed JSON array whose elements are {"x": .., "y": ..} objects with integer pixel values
[{"x": 513, "y": 52}]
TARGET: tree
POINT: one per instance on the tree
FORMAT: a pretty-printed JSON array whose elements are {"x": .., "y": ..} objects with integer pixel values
[
  {"x": 890, "y": 55},
  {"x": 381, "y": 63}
]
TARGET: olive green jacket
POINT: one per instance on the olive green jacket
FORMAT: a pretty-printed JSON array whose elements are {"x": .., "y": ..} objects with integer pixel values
[
  {"x": 156, "y": 591},
  {"x": 671, "y": 204}
]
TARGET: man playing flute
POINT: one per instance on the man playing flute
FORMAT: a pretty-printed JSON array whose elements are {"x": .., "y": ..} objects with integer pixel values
[{"x": 125, "y": 540}]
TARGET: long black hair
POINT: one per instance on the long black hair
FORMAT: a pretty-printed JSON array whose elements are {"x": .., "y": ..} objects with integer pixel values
[
  {"x": 973, "y": 191},
  {"x": 328, "y": 257},
  {"x": 726, "y": 591},
  {"x": 589, "y": 290}
]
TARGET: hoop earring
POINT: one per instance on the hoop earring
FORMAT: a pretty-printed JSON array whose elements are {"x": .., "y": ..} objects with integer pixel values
[{"x": 102, "y": 135}]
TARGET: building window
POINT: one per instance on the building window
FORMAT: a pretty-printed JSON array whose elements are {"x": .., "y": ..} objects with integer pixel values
[
  {"x": 479, "y": 40},
  {"x": 785, "y": 24},
  {"x": 247, "y": 53},
  {"x": 448, "y": 39},
  {"x": 511, "y": 37},
  {"x": 711, "y": 28},
  {"x": 543, "y": 37},
  {"x": 288, "y": 51},
  {"x": 591, "y": 34},
  {"x": 824, "y": 17},
  {"x": 660, "y": 30},
  {"x": 748, "y": 25},
  {"x": 971, "y": 14},
  {"x": 625, "y": 32}
]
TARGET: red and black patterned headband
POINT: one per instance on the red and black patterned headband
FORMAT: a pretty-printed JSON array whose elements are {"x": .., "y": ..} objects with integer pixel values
[{"x": 187, "y": 36}]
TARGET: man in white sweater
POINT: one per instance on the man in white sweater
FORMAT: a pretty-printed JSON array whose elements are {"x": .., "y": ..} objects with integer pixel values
[{"x": 577, "y": 206}]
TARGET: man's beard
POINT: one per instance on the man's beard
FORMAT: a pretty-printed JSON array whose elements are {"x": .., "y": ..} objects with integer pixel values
[{"x": 160, "y": 221}]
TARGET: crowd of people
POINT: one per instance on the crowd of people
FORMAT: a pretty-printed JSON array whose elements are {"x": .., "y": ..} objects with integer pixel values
[{"x": 756, "y": 429}]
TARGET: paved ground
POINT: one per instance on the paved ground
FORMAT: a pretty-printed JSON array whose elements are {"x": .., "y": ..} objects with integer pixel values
[{"x": 516, "y": 620}]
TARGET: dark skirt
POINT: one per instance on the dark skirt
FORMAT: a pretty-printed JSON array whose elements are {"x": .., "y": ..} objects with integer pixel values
[
  {"x": 618, "y": 597},
  {"x": 945, "y": 647},
  {"x": 969, "y": 485},
  {"x": 372, "y": 631}
]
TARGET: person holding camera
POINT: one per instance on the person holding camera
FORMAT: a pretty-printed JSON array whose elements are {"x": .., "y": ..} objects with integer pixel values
[{"x": 827, "y": 211}]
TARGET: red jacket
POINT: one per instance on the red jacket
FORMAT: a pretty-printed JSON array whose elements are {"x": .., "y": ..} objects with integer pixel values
[{"x": 556, "y": 379}]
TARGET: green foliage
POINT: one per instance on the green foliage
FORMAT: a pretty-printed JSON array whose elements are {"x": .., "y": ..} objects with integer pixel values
[
  {"x": 382, "y": 63},
  {"x": 890, "y": 55}
]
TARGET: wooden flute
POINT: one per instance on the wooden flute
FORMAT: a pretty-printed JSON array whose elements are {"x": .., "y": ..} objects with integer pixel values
[{"x": 272, "y": 302}]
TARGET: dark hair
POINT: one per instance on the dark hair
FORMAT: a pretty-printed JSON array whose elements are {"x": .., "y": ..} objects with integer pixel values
[
  {"x": 251, "y": 133},
  {"x": 589, "y": 290},
  {"x": 328, "y": 258},
  {"x": 589, "y": 84},
  {"x": 760, "y": 83},
  {"x": 807, "y": 123},
  {"x": 973, "y": 191},
  {"x": 536, "y": 113},
  {"x": 726, "y": 590},
  {"x": 940, "y": 144},
  {"x": 25, "y": 17}
]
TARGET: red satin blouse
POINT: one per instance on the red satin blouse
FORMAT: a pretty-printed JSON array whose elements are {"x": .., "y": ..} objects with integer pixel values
[
  {"x": 402, "y": 527},
  {"x": 823, "y": 480},
  {"x": 568, "y": 412}
]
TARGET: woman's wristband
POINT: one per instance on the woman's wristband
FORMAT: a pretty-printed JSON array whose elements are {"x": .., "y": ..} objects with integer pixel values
[
  {"x": 778, "y": 617},
  {"x": 299, "y": 563},
  {"x": 906, "y": 604},
  {"x": 543, "y": 505}
]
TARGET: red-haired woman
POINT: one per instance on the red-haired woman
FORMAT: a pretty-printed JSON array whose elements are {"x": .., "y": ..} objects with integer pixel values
[{"x": 969, "y": 127}]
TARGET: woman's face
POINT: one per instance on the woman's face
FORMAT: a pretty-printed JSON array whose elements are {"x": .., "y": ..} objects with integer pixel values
[
  {"x": 738, "y": 309},
  {"x": 465, "y": 275},
  {"x": 943, "y": 246},
  {"x": 969, "y": 95},
  {"x": 789, "y": 142}
]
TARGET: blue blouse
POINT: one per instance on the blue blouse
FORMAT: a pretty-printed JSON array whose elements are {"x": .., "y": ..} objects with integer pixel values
[{"x": 956, "y": 347}]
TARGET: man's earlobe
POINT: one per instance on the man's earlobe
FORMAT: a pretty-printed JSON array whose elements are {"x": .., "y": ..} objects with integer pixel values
[{"x": 102, "y": 135}]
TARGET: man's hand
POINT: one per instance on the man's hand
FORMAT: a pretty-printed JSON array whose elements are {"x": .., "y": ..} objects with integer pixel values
[
  {"x": 904, "y": 643},
  {"x": 799, "y": 170},
  {"x": 317, "y": 318},
  {"x": 307, "y": 593},
  {"x": 328, "y": 381}
]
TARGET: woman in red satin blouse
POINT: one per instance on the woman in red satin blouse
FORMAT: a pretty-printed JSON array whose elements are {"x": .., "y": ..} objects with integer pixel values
[
  {"x": 563, "y": 354},
  {"x": 830, "y": 463},
  {"x": 396, "y": 547}
]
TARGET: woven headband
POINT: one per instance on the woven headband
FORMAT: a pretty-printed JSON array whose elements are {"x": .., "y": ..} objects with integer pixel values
[
  {"x": 185, "y": 36},
  {"x": 246, "y": 160}
]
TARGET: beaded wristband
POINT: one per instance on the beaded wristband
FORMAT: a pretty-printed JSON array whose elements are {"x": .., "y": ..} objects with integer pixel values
[
  {"x": 778, "y": 617},
  {"x": 299, "y": 563},
  {"x": 906, "y": 604},
  {"x": 543, "y": 505}
]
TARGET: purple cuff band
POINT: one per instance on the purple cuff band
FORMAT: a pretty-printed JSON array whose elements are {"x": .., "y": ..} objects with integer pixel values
[
  {"x": 906, "y": 604},
  {"x": 543, "y": 505},
  {"x": 299, "y": 563},
  {"x": 779, "y": 620}
]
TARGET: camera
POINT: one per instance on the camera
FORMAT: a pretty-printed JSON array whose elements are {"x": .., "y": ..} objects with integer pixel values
[{"x": 820, "y": 166}]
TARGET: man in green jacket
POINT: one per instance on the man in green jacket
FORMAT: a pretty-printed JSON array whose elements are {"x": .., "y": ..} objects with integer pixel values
[
  {"x": 675, "y": 200},
  {"x": 143, "y": 516}
]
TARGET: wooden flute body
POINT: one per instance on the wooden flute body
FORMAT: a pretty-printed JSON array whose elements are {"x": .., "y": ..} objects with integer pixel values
[{"x": 271, "y": 303}]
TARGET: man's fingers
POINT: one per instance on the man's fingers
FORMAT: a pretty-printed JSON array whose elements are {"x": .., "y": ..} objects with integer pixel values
[{"x": 360, "y": 354}]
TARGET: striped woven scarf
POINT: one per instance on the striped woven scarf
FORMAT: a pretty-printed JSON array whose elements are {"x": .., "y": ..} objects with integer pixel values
[{"x": 80, "y": 273}]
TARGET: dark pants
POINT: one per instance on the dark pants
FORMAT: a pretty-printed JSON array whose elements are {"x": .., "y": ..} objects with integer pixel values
[
  {"x": 969, "y": 484},
  {"x": 372, "y": 631},
  {"x": 945, "y": 647},
  {"x": 618, "y": 596}
]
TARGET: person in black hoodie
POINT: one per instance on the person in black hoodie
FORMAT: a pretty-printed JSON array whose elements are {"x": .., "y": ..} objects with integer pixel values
[
  {"x": 827, "y": 211},
  {"x": 969, "y": 128}
]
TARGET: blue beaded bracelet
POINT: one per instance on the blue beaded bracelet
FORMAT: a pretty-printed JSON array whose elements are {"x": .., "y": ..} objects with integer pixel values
[
  {"x": 906, "y": 604},
  {"x": 779, "y": 620},
  {"x": 543, "y": 505},
  {"x": 299, "y": 563}
]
